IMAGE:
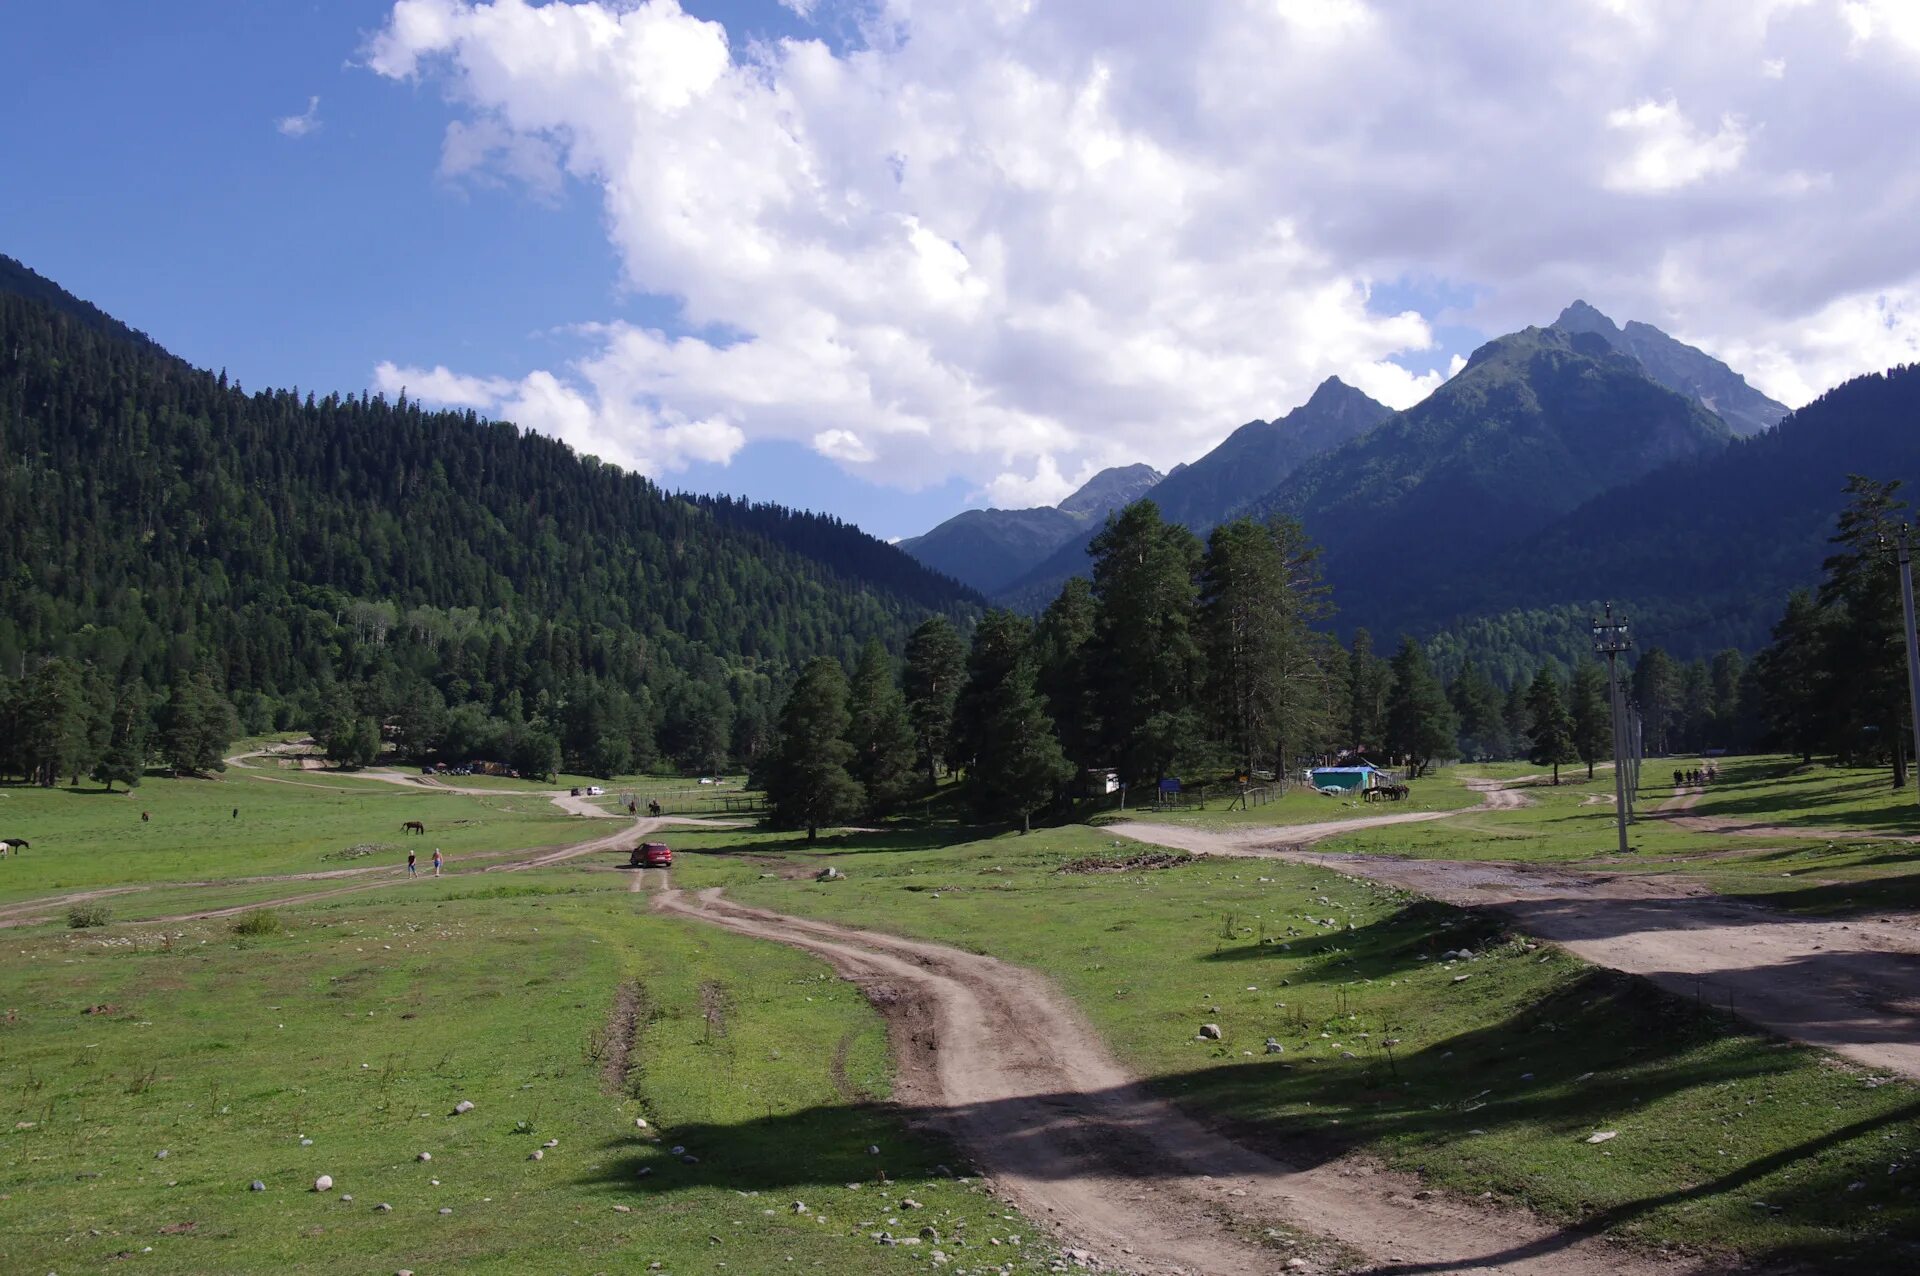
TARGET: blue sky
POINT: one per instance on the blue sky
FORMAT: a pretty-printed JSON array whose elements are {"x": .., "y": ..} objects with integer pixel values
[
  {"x": 151, "y": 179},
  {"x": 969, "y": 252}
]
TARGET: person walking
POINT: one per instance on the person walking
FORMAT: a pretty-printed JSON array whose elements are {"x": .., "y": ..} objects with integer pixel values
[
  {"x": 436, "y": 861},
  {"x": 413, "y": 864}
]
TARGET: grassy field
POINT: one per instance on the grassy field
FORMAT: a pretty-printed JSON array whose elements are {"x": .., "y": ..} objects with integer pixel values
[
  {"x": 340, "y": 1044},
  {"x": 88, "y": 839},
  {"x": 1489, "y": 1083},
  {"x": 1485, "y": 1074}
]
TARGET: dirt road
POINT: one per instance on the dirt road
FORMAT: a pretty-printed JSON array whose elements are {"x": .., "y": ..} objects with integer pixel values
[
  {"x": 1852, "y": 987},
  {"x": 996, "y": 1057}
]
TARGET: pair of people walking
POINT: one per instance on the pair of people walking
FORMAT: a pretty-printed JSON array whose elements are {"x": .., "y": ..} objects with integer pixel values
[{"x": 413, "y": 863}]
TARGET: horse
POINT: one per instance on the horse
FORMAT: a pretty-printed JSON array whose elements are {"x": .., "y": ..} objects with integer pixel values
[
  {"x": 17, "y": 843},
  {"x": 414, "y": 826},
  {"x": 144, "y": 817}
]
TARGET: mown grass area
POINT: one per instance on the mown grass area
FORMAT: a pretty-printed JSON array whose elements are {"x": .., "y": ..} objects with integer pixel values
[
  {"x": 339, "y": 1040},
  {"x": 1445, "y": 790},
  {"x": 1783, "y": 791},
  {"x": 86, "y": 838},
  {"x": 1499, "y": 1068}
]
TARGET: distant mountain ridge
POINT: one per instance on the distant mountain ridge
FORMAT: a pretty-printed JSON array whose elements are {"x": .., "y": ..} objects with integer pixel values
[
  {"x": 1682, "y": 369},
  {"x": 1538, "y": 422},
  {"x": 1260, "y": 455},
  {"x": 989, "y": 548}
]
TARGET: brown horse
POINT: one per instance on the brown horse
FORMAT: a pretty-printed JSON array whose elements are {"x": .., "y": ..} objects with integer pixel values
[
  {"x": 144, "y": 817},
  {"x": 414, "y": 826}
]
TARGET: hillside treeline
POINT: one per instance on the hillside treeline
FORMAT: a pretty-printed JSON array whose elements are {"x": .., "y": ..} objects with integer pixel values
[{"x": 462, "y": 584}]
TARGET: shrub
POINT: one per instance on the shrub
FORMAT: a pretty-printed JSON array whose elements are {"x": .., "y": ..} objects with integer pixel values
[
  {"x": 261, "y": 921},
  {"x": 82, "y": 916}
]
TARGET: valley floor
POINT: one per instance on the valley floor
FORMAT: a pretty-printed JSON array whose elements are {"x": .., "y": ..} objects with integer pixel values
[{"x": 1429, "y": 1068}]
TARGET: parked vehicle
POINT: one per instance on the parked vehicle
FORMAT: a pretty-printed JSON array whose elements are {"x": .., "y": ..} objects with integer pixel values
[{"x": 651, "y": 855}]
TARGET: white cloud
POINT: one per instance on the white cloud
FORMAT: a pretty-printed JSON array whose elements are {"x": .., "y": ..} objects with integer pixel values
[
  {"x": 308, "y": 121},
  {"x": 1016, "y": 239},
  {"x": 1668, "y": 151}
]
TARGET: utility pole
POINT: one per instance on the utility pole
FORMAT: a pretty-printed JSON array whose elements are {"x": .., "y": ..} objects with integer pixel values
[
  {"x": 1905, "y": 560},
  {"x": 1609, "y": 640}
]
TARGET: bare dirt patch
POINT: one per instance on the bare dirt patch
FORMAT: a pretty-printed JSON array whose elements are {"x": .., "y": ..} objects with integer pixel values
[
  {"x": 1148, "y": 862},
  {"x": 613, "y": 1042}
]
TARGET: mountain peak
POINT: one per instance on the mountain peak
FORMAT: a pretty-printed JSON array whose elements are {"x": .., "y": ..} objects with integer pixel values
[
  {"x": 1111, "y": 489},
  {"x": 1680, "y": 367},
  {"x": 1581, "y": 317}
]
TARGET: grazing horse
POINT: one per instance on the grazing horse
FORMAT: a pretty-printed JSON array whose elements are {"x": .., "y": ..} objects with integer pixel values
[
  {"x": 413, "y": 826},
  {"x": 17, "y": 843}
]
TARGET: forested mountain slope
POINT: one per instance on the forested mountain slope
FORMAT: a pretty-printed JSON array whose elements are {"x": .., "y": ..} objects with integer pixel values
[
  {"x": 1700, "y": 552},
  {"x": 1537, "y": 423},
  {"x": 1258, "y": 456},
  {"x": 157, "y": 521}
]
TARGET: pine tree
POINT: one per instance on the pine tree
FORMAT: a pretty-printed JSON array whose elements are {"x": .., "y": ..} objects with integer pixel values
[
  {"x": 1482, "y": 714},
  {"x": 936, "y": 659},
  {"x": 1656, "y": 689},
  {"x": 807, "y": 782},
  {"x": 1144, "y": 645},
  {"x": 999, "y": 642},
  {"x": 1025, "y": 767},
  {"x": 1792, "y": 676},
  {"x": 1591, "y": 713},
  {"x": 50, "y": 717},
  {"x": 1420, "y": 723},
  {"x": 1863, "y": 653},
  {"x": 196, "y": 725},
  {"x": 1061, "y": 645},
  {"x": 878, "y": 729},
  {"x": 1245, "y": 620},
  {"x": 1553, "y": 740},
  {"x": 1371, "y": 680},
  {"x": 125, "y": 759}
]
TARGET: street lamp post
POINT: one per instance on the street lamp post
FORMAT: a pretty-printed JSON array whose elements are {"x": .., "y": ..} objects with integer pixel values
[{"x": 1609, "y": 640}]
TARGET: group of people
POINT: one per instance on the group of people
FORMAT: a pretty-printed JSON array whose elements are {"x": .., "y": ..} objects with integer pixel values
[
  {"x": 1699, "y": 775},
  {"x": 413, "y": 863}
]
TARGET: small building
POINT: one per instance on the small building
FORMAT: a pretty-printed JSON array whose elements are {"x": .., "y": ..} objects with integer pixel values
[
  {"x": 1100, "y": 781},
  {"x": 1354, "y": 779}
]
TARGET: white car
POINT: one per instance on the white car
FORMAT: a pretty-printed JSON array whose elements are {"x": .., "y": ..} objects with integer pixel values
[{"x": 594, "y": 790}]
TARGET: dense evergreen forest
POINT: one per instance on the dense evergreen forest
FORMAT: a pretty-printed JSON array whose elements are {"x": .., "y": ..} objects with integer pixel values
[{"x": 467, "y": 587}]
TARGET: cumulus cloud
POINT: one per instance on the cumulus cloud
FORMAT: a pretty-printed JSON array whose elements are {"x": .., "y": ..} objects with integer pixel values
[
  {"x": 308, "y": 121},
  {"x": 1013, "y": 241}
]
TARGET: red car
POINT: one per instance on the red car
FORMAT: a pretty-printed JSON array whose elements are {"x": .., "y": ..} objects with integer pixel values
[{"x": 653, "y": 855}]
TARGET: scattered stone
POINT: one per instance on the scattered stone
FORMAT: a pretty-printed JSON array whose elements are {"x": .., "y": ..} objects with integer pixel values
[
  {"x": 1601, "y": 1136},
  {"x": 643, "y": 1171},
  {"x": 639, "y": 1123},
  {"x": 346, "y": 1196},
  {"x": 324, "y": 1183},
  {"x": 872, "y": 1150},
  {"x": 383, "y": 1208},
  {"x": 690, "y": 1159},
  {"x": 424, "y": 1156},
  {"x": 162, "y": 1155},
  {"x": 1461, "y": 979},
  {"x": 463, "y": 1107},
  {"x": 799, "y": 1207},
  {"x": 445, "y": 1210},
  {"x": 536, "y": 1154},
  {"x": 678, "y": 1149},
  {"x": 433, "y": 1182},
  {"x": 623, "y": 1209},
  {"x": 306, "y": 1143},
  {"x": 404, "y": 1271},
  {"x": 256, "y": 1186},
  {"x": 551, "y": 1143},
  {"x": 1274, "y": 1046},
  {"x": 1209, "y": 1032},
  {"x": 829, "y": 874}
]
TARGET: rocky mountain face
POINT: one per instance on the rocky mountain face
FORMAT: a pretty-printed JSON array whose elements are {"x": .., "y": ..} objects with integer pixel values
[{"x": 1682, "y": 369}]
